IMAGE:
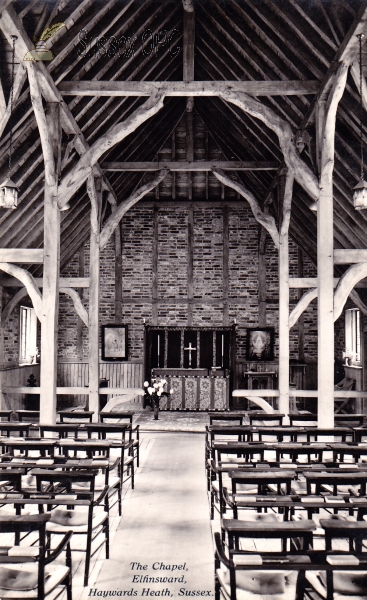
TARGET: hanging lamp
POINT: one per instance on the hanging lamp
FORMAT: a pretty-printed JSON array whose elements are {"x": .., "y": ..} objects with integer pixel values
[
  {"x": 8, "y": 189},
  {"x": 360, "y": 190}
]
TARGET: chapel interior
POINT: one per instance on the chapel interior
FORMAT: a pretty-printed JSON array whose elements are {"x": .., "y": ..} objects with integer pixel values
[{"x": 183, "y": 299}]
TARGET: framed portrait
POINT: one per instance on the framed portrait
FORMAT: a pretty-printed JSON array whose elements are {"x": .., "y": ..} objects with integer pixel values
[
  {"x": 260, "y": 344},
  {"x": 114, "y": 342}
]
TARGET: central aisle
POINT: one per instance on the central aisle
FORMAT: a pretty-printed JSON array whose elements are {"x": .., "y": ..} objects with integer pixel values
[{"x": 165, "y": 523}]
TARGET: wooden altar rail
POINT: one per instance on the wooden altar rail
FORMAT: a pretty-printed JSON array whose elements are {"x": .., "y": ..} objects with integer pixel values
[
  {"x": 296, "y": 394},
  {"x": 68, "y": 390}
]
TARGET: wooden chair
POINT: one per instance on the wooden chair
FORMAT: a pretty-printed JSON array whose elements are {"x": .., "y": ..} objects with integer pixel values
[
  {"x": 235, "y": 530},
  {"x": 133, "y": 431},
  {"x": 90, "y": 523},
  {"x": 97, "y": 457},
  {"x": 344, "y": 385},
  {"x": 117, "y": 436},
  {"x": 263, "y": 418},
  {"x": 76, "y": 415},
  {"x": 29, "y": 572},
  {"x": 245, "y": 577}
]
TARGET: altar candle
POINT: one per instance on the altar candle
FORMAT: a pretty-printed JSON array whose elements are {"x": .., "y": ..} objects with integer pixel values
[
  {"x": 222, "y": 348},
  {"x": 158, "y": 338}
]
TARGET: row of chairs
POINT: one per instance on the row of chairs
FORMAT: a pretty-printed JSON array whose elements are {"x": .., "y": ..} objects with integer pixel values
[
  {"x": 73, "y": 481},
  {"x": 272, "y": 494}
]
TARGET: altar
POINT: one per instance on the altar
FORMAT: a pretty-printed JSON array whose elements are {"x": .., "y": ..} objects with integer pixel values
[
  {"x": 194, "y": 391},
  {"x": 197, "y": 362}
]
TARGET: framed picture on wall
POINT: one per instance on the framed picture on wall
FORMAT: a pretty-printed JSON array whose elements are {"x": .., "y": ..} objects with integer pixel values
[
  {"x": 114, "y": 342},
  {"x": 260, "y": 344}
]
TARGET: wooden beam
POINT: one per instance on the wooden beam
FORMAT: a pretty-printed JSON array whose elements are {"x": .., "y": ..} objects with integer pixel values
[
  {"x": 346, "y": 53},
  {"x": 79, "y": 327},
  {"x": 346, "y": 285},
  {"x": 27, "y": 280},
  {"x": 182, "y": 88},
  {"x": 78, "y": 174},
  {"x": 190, "y": 264},
  {"x": 302, "y": 173},
  {"x": 4, "y": 4},
  {"x": 21, "y": 255},
  {"x": 51, "y": 267},
  {"x": 225, "y": 264},
  {"x": 74, "y": 282},
  {"x": 225, "y": 165},
  {"x": 325, "y": 255},
  {"x": 344, "y": 257},
  {"x": 94, "y": 188},
  {"x": 118, "y": 274},
  {"x": 116, "y": 216},
  {"x": 285, "y": 198},
  {"x": 8, "y": 309},
  {"x": 155, "y": 250},
  {"x": 78, "y": 305},
  {"x": 301, "y": 321},
  {"x": 303, "y": 303},
  {"x": 11, "y": 24},
  {"x": 266, "y": 221}
]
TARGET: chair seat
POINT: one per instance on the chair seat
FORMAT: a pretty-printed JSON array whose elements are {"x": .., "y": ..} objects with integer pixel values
[
  {"x": 98, "y": 520},
  {"x": 27, "y": 574},
  {"x": 256, "y": 585},
  {"x": 351, "y": 585},
  {"x": 252, "y": 515}
]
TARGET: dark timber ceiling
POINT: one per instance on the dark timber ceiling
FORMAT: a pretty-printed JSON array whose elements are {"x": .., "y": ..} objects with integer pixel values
[{"x": 234, "y": 40}]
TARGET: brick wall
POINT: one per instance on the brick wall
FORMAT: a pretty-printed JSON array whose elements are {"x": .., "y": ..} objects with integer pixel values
[{"x": 137, "y": 276}]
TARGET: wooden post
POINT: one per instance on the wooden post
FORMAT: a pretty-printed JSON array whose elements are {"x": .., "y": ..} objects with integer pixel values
[
  {"x": 325, "y": 251},
  {"x": 79, "y": 340},
  {"x": 51, "y": 273},
  {"x": 225, "y": 264},
  {"x": 190, "y": 265},
  {"x": 118, "y": 275},
  {"x": 94, "y": 187},
  {"x": 283, "y": 315},
  {"x": 261, "y": 272},
  {"x": 155, "y": 266},
  {"x": 301, "y": 320}
]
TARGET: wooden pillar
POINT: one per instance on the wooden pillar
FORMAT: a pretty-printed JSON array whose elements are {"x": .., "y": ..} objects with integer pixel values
[
  {"x": 325, "y": 124},
  {"x": 118, "y": 274},
  {"x": 283, "y": 315},
  {"x": 225, "y": 264},
  {"x": 155, "y": 266},
  {"x": 94, "y": 187},
  {"x": 261, "y": 272},
  {"x": 190, "y": 265},
  {"x": 51, "y": 273},
  {"x": 79, "y": 340},
  {"x": 301, "y": 320}
]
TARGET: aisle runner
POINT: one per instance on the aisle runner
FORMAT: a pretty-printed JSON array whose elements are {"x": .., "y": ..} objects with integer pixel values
[{"x": 163, "y": 546}]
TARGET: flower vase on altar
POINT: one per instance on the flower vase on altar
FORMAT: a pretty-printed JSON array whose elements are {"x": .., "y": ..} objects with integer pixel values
[{"x": 153, "y": 393}]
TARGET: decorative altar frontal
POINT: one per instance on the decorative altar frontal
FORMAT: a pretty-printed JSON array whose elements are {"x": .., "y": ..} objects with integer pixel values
[
  {"x": 197, "y": 363},
  {"x": 199, "y": 392}
]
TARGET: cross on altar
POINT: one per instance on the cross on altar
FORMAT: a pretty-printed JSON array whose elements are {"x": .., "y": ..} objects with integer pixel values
[{"x": 190, "y": 349}]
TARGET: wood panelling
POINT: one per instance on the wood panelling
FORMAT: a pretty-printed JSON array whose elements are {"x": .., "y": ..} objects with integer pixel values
[
  {"x": 16, "y": 376},
  {"x": 70, "y": 374}
]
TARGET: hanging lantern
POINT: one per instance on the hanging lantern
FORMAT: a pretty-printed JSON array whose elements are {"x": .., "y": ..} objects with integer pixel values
[
  {"x": 360, "y": 190},
  {"x": 8, "y": 189},
  {"x": 360, "y": 195},
  {"x": 8, "y": 194}
]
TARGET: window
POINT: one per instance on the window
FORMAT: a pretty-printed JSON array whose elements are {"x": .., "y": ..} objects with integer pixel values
[
  {"x": 28, "y": 335},
  {"x": 353, "y": 336}
]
